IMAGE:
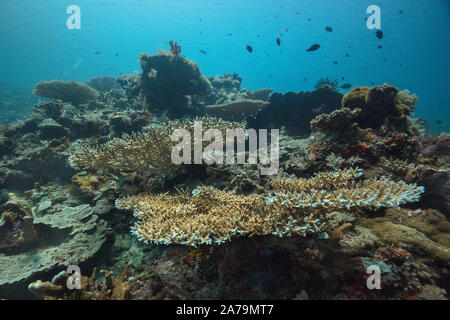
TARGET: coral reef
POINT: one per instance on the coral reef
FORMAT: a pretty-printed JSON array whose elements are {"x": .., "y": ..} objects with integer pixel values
[
  {"x": 294, "y": 111},
  {"x": 145, "y": 153},
  {"x": 237, "y": 110},
  {"x": 337, "y": 120},
  {"x": 297, "y": 207},
  {"x": 110, "y": 289},
  {"x": 104, "y": 83},
  {"x": 66, "y": 91},
  {"x": 72, "y": 235},
  {"x": 167, "y": 78},
  {"x": 379, "y": 103}
]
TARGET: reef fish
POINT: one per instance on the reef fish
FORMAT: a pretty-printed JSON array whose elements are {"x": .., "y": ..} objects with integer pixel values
[
  {"x": 203, "y": 51},
  {"x": 249, "y": 49},
  {"x": 278, "y": 41},
  {"x": 346, "y": 86},
  {"x": 328, "y": 28},
  {"x": 379, "y": 34},
  {"x": 314, "y": 47}
]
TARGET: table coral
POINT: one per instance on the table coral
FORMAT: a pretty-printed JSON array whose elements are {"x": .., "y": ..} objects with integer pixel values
[
  {"x": 66, "y": 91},
  {"x": 209, "y": 215}
]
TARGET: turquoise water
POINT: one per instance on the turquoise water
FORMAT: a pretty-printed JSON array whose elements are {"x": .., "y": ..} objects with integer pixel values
[{"x": 36, "y": 45}]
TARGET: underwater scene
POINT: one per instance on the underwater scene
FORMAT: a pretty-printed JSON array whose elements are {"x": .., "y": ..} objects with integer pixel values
[{"x": 225, "y": 150}]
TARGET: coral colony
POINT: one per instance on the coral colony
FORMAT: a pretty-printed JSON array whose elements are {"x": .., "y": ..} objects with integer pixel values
[{"x": 216, "y": 211}]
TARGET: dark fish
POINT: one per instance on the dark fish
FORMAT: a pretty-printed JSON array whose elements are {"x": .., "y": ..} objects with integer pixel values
[
  {"x": 309, "y": 19},
  {"x": 229, "y": 34},
  {"x": 329, "y": 29},
  {"x": 380, "y": 46},
  {"x": 314, "y": 47},
  {"x": 400, "y": 11},
  {"x": 278, "y": 41},
  {"x": 249, "y": 49},
  {"x": 297, "y": 13},
  {"x": 379, "y": 34},
  {"x": 346, "y": 85},
  {"x": 305, "y": 79},
  {"x": 97, "y": 52},
  {"x": 286, "y": 30},
  {"x": 203, "y": 51},
  {"x": 342, "y": 77},
  {"x": 335, "y": 62},
  {"x": 346, "y": 55},
  {"x": 117, "y": 54},
  {"x": 439, "y": 122}
]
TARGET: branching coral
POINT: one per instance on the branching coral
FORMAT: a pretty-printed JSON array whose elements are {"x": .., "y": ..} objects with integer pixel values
[
  {"x": 296, "y": 207},
  {"x": 144, "y": 153},
  {"x": 111, "y": 288},
  {"x": 237, "y": 110},
  {"x": 66, "y": 91}
]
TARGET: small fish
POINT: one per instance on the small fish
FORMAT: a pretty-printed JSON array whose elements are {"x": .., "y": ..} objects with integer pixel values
[
  {"x": 117, "y": 54},
  {"x": 249, "y": 49},
  {"x": 346, "y": 55},
  {"x": 286, "y": 30},
  {"x": 314, "y": 47},
  {"x": 278, "y": 41},
  {"x": 229, "y": 34},
  {"x": 305, "y": 79},
  {"x": 335, "y": 62},
  {"x": 297, "y": 13},
  {"x": 203, "y": 51},
  {"x": 380, "y": 46},
  {"x": 309, "y": 19},
  {"x": 379, "y": 34},
  {"x": 329, "y": 29},
  {"x": 97, "y": 52},
  {"x": 400, "y": 11},
  {"x": 346, "y": 85},
  {"x": 342, "y": 77},
  {"x": 439, "y": 122}
]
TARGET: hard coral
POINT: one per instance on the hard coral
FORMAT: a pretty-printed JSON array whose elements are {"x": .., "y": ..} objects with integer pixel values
[
  {"x": 66, "y": 91},
  {"x": 296, "y": 207},
  {"x": 167, "y": 78},
  {"x": 144, "y": 153},
  {"x": 110, "y": 289},
  {"x": 379, "y": 103},
  {"x": 237, "y": 110}
]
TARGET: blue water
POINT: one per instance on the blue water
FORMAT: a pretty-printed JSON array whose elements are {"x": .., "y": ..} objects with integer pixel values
[{"x": 35, "y": 44}]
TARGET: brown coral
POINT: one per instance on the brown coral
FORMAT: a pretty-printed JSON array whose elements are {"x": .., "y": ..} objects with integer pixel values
[
  {"x": 237, "y": 110},
  {"x": 110, "y": 289},
  {"x": 66, "y": 91},
  {"x": 378, "y": 103}
]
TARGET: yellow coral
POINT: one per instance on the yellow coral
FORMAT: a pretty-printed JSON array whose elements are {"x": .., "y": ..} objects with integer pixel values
[
  {"x": 209, "y": 215},
  {"x": 145, "y": 152}
]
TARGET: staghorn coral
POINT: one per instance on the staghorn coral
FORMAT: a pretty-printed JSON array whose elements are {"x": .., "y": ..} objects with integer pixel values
[
  {"x": 237, "y": 110},
  {"x": 110, "y": 289},
  {"x": 66, "y": 91},
  {"x": 296, "y": 207},
  {"x": 144, "y": 153}
]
